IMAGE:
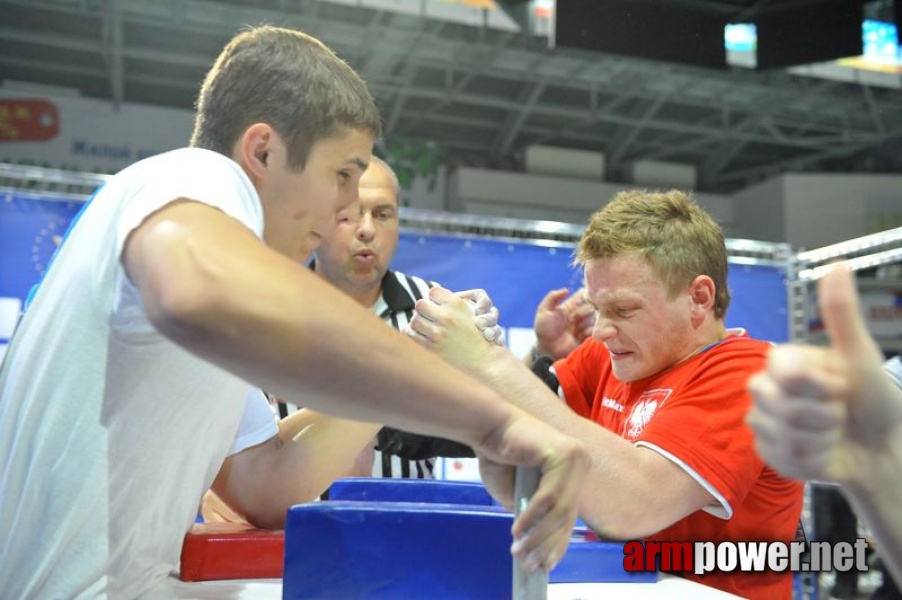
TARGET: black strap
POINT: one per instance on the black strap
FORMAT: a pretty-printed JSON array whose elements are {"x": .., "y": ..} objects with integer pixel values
[{"x": 541, "y": 367}]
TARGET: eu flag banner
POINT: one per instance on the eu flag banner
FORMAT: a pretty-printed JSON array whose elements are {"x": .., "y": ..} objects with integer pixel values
[{"x": 31, "y": 228}]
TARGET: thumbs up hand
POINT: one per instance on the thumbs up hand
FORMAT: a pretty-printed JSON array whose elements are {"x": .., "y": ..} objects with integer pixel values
[
  {"x": 826, "y": 412},
  {"x": 875, "y": 404}
]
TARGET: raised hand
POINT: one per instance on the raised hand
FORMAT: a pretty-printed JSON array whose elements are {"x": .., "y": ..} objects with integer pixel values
[
  {"x": 825, "y": 412},
  {"x": 562, "y": 323}
]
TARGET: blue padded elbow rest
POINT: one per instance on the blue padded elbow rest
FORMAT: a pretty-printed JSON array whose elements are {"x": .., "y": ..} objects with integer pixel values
[
  {"x": 410, "y": 490},
  {"x": 589, "y": 561},
  {"x": 390, "y": 550}
]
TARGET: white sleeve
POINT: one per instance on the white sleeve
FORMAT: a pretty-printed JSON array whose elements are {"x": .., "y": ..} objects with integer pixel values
[
  {"x": 194, "y": 174},
  {"x": 258, "y": 423},
  {"x": 893, "y": 368},
  {"x": 191, "y": 173}
]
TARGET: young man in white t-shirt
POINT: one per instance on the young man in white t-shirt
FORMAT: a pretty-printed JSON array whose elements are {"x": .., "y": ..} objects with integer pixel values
[{"x": 180, "y": 286}]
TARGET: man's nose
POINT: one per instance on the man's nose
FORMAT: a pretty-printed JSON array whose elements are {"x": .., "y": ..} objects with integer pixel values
[
  {"x": 365, "y": 228},
  {"x": 603, "y": 329}
]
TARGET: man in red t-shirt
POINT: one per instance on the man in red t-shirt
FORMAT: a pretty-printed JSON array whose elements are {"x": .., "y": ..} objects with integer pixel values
[{"x": 673, "y": 459}]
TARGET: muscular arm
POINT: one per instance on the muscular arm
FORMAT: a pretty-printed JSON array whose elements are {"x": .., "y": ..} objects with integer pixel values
[
  {"x": 311, "y": 451},
  {"x": 208, "y": 284},
  {"x": 630, "y": 491},
  {"x": 211, "y": 286},
  {"x": 876, "y": 500}
]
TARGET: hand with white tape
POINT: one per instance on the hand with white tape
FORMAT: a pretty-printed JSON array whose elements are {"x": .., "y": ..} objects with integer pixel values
[
  {"x": 444, "y": 323},
  {"x": 485, "y": 315}
]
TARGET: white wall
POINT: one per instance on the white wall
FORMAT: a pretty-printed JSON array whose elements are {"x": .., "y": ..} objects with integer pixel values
[
  {"x": 524, "y": 195},
  {"x": 656, "y": 173},
  {"x": 549, "y": 160},
  {"x": 759, "y": 212},
  {"x": 95, "y": 136},
  {"x": 815, "y": 210},
  {"x": 545, "y": 197},
  {"x": 721, "y": 208},
  {"x": 825, "y": 209}
]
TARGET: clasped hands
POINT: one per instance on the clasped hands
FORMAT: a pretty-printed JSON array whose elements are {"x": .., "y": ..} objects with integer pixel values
[{"x": 444, "y": 323}]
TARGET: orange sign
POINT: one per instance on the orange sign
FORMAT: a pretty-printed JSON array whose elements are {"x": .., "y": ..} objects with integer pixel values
[{"x": 28, "y": 120}]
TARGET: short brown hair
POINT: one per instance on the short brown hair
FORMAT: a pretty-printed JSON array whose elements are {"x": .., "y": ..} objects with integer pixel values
[
  {"x": 288, "y": 80},
  {"x": 675, "y": 235}
]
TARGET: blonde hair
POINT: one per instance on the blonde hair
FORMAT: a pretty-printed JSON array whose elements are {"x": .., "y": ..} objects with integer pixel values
[{"x": 677, "y": 238}]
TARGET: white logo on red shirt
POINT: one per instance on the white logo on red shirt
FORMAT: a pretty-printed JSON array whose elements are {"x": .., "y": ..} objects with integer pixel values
[
  {"x": 643, "y": 410},
  {"x": 612, "y": 404}
]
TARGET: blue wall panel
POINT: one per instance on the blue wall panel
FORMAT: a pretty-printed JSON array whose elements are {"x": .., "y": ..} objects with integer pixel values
[{"x": 518, "y": 275}]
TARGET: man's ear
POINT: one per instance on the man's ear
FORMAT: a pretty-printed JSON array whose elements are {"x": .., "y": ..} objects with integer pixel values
[
  {"x": 702, "y": 291},
  {"x": 255, "y": 148}
]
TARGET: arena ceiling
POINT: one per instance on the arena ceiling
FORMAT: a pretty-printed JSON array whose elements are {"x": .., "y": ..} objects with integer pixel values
[{"x": 478, "y": 87}]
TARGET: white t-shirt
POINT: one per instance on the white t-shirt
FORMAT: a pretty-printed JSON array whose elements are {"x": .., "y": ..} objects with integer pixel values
[
  {"x": 109, "y": 432},
  {"x": 893, "y": 368},
  {"x": 258, "y": 423}
]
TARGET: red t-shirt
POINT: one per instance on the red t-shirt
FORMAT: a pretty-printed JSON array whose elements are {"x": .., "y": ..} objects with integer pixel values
[{"x": 694, "y": 413}]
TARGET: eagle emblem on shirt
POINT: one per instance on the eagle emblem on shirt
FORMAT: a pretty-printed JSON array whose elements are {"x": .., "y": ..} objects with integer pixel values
[{"x": 643, "y": 411}]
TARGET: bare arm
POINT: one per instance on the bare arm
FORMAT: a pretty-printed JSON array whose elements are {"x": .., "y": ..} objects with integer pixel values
[
  {"x": 212, "y": 287},
  {"x": 311, "y": 451},
  {"x": 876, "y": 501},
  {"x": 629, "y": 491}
]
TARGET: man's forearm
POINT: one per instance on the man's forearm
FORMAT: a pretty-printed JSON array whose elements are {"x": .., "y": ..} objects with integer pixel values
[
  {"x": 275, "y": 324},
  {"x": 876, "y": 502},
  {"x": 621, "y": 473},
  {"x": 311, "y": 451},
  {"x": 316, "y": 450}
]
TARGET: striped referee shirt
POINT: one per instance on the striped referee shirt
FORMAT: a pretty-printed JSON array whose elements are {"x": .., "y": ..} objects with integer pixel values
[{"x": 399, "y": 453}]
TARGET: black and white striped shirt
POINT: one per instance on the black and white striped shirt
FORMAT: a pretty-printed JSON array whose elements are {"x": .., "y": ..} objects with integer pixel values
[{"x": 398, "y": 453}]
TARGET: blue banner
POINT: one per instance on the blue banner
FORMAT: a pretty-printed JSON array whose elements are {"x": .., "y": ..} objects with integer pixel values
[
  {"x": 516, "y": 275},
  {"x": 31, "y": 229}
]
